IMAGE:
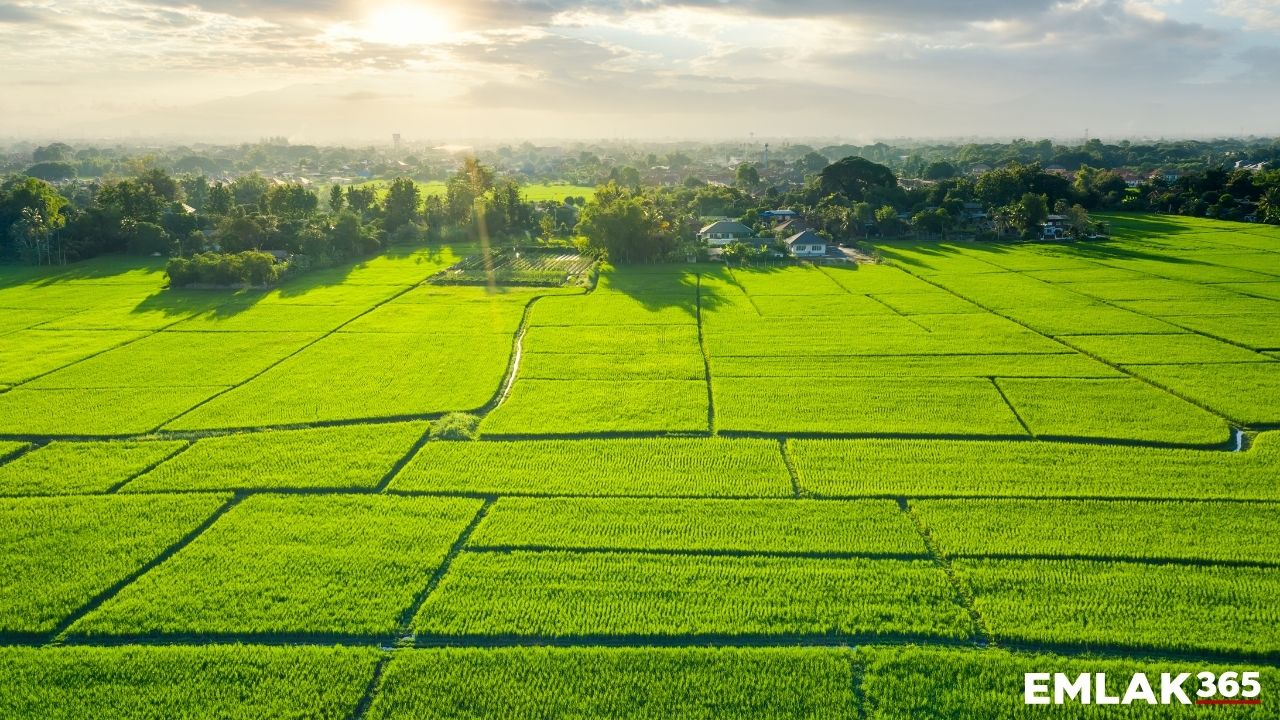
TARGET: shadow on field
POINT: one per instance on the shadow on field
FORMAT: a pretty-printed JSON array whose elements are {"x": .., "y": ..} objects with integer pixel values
[{"x": 659, "y": 287}]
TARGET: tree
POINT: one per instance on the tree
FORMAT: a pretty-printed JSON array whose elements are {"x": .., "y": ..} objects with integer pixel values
[
  {"x": 887, "y": 221},
  {"x": 853, "y": 176},
  {"x": 291, "y": 200},
  {"x": 400, "y": 208},
  {"x": 53, "y": 152},
  {"x": 336, "y": 199},
  {"x": 38, "y": 208},
  {"x": 624, "y": 227},
  {"x": 940, "y": 170},
  {"x": 52, "y": 171},
  {"x": 811, "y": 163},
  {"x": 746, "y": 176}
]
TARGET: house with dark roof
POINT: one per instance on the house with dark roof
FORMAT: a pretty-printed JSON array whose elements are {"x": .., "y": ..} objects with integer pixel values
[
  {"x": 791, "y": 227},
  {"x": 723, "y": 232},
  {"x": 806, "y": 243}
]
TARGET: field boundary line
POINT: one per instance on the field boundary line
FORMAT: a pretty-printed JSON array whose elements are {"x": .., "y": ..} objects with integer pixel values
[
  {"x": 891, "y": 308},
  {"x": 404, "y": 460},
  {"x": 60, "y": 633},
  {"x": 16, "y": 453},
  {"x": 1230, "y": 422},
  {"x": 178, "y": 451},
  {"x": 996, "y": 383},
  {"x": 734, "y": 280},
  {"x": 964, "y": 594},
  {"x": 361, "y": 710},
  {"x": 404, "y": 291},
  {"x": 792, "y": 471},
  {"x": 406, "y": 618},
  {"x": 706, "y": 360},
  {"x": 513, "y": 360},
  {"x": 1130, "y": 559}
]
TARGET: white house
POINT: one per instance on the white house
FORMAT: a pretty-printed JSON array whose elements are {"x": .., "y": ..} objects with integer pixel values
[
  {"x": 723, "y": 232},
  {"x": 806, "y": 243}
]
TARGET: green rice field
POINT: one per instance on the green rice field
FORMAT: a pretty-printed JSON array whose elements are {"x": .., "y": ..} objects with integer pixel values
[{"x": 690, "y": 491}]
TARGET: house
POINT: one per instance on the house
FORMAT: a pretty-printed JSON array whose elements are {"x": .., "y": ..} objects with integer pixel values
[
  {"x": 723, "y": 232},
  {"x": 791, "y": 227},
  {"x": 806, "y": 243},
  {"x": 973, "y": 213},
  {"x": 779, "y": 216},
  {"x": 1169, "y": 176},
  {"x": 1054, "y": 227}
]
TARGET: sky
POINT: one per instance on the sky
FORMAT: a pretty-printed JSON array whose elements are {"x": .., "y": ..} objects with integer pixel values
[{"x": 470, "y": 70}]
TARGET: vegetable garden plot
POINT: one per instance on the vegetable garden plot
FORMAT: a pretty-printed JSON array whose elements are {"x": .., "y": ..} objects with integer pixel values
[
  {"x": 555, "y": 407},
  {"x": 592, "y": 366},
  {"x": 853, "y": 468},
  {"x": 872, "y": 527},
  {"x": 1113, "y": 529},
  {"x": 933, "y": 303},
  {"x": 1161, "y": 349},
  {"x": 659, "y": 683},
  {"x": 27, "y": 353},
  {"x": 901, "y": 683},
  {"x": 1122, "y": 409},
  {"x": 63, "y": 468},
  {"x": 176, "y": 359},
  {"x": 565, "y": 594},
  {"x": 56, "y": 554},
  {"x": 270, "y": 318},
  {"x": 658, "y": 466},
  {"x": 1248, "y": 393},
  {"x": 915, "y": 366},
  {"x": 356, "y": 456},
  {"x": 95, "y": 411},
  {"x": 497, "y": 316},
  {"x": 1260, "y": 332},
  {"x": 1090, "y": 319},
  {"x": 212, "y": 681},
  {"x": 364, "y": 375},
  {"x": 805, "y": 404},
  {"x": 786, "y": 280},
  {"x": 618, "y": 339},
  {"x": 1141, "y": 605},
  {"x": 336, "y": 565}
]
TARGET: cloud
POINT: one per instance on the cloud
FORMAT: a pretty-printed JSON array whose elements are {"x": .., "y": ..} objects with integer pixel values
[{"x": 1260, "y": 15}]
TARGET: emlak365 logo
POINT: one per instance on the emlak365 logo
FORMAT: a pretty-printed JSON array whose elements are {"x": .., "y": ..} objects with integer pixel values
[{"x": 1228, "y": 688}]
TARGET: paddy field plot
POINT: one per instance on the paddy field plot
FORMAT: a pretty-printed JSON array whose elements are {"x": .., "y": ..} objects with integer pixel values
[{"x": 689, "y": 491}]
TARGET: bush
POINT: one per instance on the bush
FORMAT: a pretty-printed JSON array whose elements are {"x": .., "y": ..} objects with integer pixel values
[
  {"x": 224, "y": 270},
  {"x": 455, "y": 426}
]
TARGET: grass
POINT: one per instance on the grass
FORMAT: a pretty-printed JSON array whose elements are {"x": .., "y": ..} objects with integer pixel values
[
  {"x": 785, "y": 526},
  {"x": 344, "y": 565},
  {"x": 810, "y": 403},
  {"x": 95, "y": 411},
  {"x": 1248, "y": 393},
  {"x": 56, "y": 554},
  {"x": 1110, "y": 408},
  {"x": 566, "y": 594},
  {"x": 364, "y": 375},
  {"x": 667, "y": 466},
  {"x": 28, "y": 353},
  {"x": 64, "y": 468},
  {"x": 1162, "y": 349},
  {"x": 232, "y": 682},
  {"x": 357, "y": 456},
  {"x": 550, "y": 407},
  {"x": 898, "y": 683},
  {"x": 1088, "y": 603},
  {"x": 969, "y": 468},
  {"x": 1114, "y": 530},
  {"x": 633, "y": 683}
]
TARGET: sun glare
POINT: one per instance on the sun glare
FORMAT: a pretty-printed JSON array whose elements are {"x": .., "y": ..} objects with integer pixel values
[{"x": 405, "y": 24}]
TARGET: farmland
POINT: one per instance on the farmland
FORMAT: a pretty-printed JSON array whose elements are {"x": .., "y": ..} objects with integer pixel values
[{"x": 689, "y": 490}]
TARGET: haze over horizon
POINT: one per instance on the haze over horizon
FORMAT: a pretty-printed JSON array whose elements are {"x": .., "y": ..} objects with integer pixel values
[{"x": 333, "y": 70}]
